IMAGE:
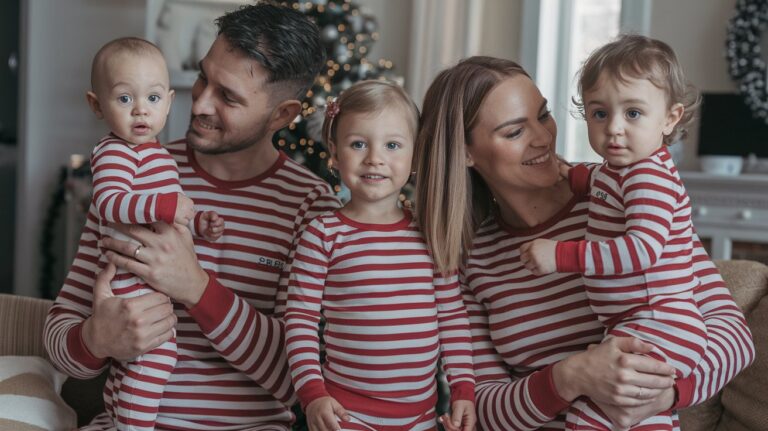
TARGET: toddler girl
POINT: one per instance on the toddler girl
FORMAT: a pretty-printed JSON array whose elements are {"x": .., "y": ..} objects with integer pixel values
[{"x": 389, "y": 316}]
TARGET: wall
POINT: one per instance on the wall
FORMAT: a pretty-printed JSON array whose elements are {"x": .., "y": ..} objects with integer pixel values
[
  {"x": 700, "y": 47},
  {"x": 394, "y": 19},
  {"x": 500, "y": 37},
  {"x": 57, "y": 44}
]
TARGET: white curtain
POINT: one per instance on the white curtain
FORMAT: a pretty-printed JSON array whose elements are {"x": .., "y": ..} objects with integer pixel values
[{"x": 442, "y": 32}]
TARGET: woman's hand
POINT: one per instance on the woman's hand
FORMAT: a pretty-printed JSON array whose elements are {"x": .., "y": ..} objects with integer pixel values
[
  {"x": 625, "y": 417},
  {"x": 615, "y": 372},
  {"x": 166, "y": 260}
]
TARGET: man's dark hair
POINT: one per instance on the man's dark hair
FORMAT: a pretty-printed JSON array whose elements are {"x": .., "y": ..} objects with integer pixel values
[{"x": 283, "y": 40}]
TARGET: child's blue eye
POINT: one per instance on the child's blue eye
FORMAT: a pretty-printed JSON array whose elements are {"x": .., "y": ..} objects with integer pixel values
[
  {"x": 124, "y": 99},
  {"x": 600, "y": 115},
  {"x": 633, "y": 114},
  {"x": 358, "y": 145},
  {"x": 154, "y": 98},
  {"x": 393, "y": 145}
]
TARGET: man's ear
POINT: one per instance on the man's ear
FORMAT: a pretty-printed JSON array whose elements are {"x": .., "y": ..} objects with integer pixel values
[
  {"x": 284, "y": 114},
  {"x": 673, "y": 117},
  {"x": 93, "y": 102}
]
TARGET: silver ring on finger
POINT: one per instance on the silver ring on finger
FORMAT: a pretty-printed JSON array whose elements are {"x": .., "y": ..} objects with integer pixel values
[
  {"x": 639, "y": 393},
  {"x": 137, "y": 251}
]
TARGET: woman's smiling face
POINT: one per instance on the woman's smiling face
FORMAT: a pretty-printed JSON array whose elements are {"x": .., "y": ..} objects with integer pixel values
[{"x": 513, "y": 141}]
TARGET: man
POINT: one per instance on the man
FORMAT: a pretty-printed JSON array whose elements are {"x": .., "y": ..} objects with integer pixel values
[{"x": 231, "y": 371}]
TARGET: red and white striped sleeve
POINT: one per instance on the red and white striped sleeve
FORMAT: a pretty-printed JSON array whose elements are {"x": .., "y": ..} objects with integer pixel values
[
  {"x": 62, "y": 336},
  {"x": 730, "y": 348},
  {"x": 302, "y": 317},
  {"x": 650, "y": 195},
  {"x": 455, "y": 337},
  {"x": 115, "y": 166},
  {"x": 250, "y": 341},
  {"x": 504, "y": 401}
]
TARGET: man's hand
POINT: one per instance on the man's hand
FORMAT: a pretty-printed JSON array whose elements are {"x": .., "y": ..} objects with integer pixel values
[
  {"x": 124, "y": 328},
  {"x": 166, "y": 261},
  {"x": 539, "y": 256},
  {"x": 322, "y": 414}
]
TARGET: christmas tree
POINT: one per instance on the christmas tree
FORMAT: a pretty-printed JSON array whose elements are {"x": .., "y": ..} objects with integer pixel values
[{"x": 347, "y": 34}]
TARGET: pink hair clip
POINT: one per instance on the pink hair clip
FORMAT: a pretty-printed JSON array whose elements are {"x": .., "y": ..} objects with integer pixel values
[{"x": 332, "y": 109}]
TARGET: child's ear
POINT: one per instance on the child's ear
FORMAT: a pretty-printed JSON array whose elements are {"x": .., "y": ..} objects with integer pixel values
[
  {"x": 171, "y": 95},
  {"x": 332, "y": 151},
  {"x": 283, "y": 114},
  {"x": 93, "y": 102},
  {"x": 673, "y": 117}
]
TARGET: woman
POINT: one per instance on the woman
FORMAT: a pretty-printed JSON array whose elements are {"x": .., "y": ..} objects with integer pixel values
[{"x": 489, "y": 182}]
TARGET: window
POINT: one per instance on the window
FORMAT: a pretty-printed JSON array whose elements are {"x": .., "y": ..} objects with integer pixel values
[{"x": 557, "y": 37}]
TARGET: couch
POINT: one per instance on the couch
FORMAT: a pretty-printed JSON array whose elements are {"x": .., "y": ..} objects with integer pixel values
[{"x": 742, "y": 405}]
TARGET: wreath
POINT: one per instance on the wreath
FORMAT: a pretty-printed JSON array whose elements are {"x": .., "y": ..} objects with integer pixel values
[{"x": 745, "y": 62}]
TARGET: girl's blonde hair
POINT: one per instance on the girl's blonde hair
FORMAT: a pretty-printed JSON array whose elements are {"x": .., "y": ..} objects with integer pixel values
[
  {"x": 640, "y": 57},
  {"x": 452, "y": 199},
  {"x": 368, "y": 97}
]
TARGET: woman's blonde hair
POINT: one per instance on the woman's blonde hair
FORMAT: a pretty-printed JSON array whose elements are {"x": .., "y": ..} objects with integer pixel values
[
  {"x": 452, "y": 199},
  {"x": 640, "y": 57},
  {"x": 367, "y": 97}
]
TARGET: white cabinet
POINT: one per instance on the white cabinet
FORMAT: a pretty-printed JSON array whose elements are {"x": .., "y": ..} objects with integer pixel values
[{"x": 731, "y": 213}]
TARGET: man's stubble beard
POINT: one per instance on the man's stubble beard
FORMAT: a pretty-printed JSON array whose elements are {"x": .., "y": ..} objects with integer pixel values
[{"x": 225, "y": 147}]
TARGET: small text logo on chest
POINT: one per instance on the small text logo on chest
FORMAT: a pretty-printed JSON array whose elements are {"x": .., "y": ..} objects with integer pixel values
[
  {"x": 601, "y": 195},
  {"x": 271, "y": 262}
]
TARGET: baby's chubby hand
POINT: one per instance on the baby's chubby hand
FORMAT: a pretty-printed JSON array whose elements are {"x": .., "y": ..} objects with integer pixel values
[
  {"x": 185, "y": 210},
  {"x": 323, "y": 413},
  {"x": 539, "y": 256},
  {"x": 462, "y": 417},
  {"x": 211, "y": 225}
]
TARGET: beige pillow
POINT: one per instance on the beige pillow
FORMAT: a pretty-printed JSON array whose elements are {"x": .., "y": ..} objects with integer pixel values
[
  {"x": 29, "y": 396},
  {"x": 745, "y": 399}
]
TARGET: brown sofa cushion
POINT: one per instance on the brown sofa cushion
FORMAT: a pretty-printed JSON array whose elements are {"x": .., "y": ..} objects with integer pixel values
[
  {"x": 21, "y": 333},
  {"x": 748, "y": 283},
  {"x": 29, "y": 396},
  {"x": 745, "y": 398}
]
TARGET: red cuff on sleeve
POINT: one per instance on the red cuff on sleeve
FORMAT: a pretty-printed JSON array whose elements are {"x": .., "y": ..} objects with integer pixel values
[
  {"x": 165, "y": 207},
  {"x": 567, "y": 256},
  {"x": 79, "y": 350},
  {"x": 213, "y": 306},
  {"x": 544, "y": 394},
  {"x": 311, "y": 391},
  {"x": 463, "y": 391},
  {"x": 195, "y": 224},
  {"x": 578, "y": 177},
  {"x": 683, "y": 392}
]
